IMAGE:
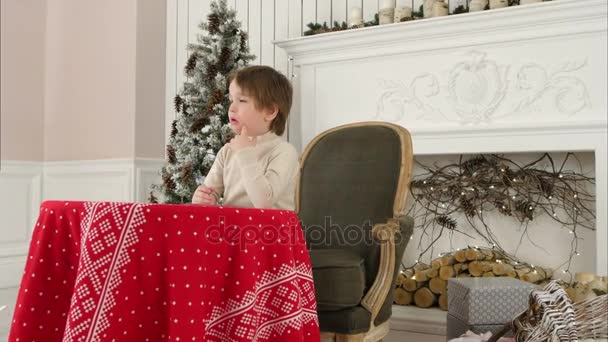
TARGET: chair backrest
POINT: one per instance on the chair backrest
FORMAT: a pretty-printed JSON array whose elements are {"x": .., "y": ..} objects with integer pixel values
[{"x": 351, "y": 178}]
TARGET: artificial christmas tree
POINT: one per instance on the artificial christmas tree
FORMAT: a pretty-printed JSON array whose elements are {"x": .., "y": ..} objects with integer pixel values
[{"x": 201, "y": 127}]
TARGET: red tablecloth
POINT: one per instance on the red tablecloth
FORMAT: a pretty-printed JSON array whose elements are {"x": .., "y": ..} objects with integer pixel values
[{"x": 100, "y": 271}]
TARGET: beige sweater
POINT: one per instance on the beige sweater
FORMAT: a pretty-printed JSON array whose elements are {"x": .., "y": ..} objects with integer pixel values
[{"x": 263, "y": 176}]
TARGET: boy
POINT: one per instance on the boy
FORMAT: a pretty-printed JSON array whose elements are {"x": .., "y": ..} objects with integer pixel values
[{"x": 256, "y": 168}]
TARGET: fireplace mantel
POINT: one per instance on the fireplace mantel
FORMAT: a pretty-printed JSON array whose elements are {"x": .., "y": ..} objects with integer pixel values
[{"x": 520, "y": 79}]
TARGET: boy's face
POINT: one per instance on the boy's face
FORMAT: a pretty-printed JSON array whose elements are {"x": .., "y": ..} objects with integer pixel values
[{"x": 243, "y": 112}]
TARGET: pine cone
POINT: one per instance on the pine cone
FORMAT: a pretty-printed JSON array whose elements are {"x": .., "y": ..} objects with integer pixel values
[
  {"x": 199, "y": 124},
  {"x": 218, "y": 97},
  {"x": 467, "y": 207},
  {"x": 168, "y": 182},
  {"x": 173, "y": 129},
  {"x": 244, "y": 38},
  {"x": 446, "y": 222},
  {"x": 171, "y": 158},
  {"x": 152, "y": 199},
  {"x": 178, "y": 103},
  {"x": 213, "y": 23},
  {"x": 187, "y": 172},
  {"x": 224, "y": 57},
  {"x": 211, "y": 72},
  {"x": 525, "y": 209},
  {"x": 191, "y": 64},
  {"x": 474, "y": 164}
]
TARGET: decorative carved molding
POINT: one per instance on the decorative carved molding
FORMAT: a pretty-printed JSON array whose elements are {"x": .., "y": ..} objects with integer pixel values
[{"x": 481, "y": 90}]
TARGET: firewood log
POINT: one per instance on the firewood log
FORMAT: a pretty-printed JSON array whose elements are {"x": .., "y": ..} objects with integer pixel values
[
  {"x": 411, "y": 285},
  {"x": 477, "y": 268},
  {"x": 511, "y": 274},
  {"x": 473, "y": 254},
  {"x": 420, "y": 266},
  {"x": 446, "y": 260},
  {"x": 402, "y": 297},
  {"x": 400, "y": 278},
  {"x": 432, "y": 273},
  {"x": 535, "y": 276},
  {"x": 459, "y": 267},
  {"x": 461, "y": 255},
  {"x": 421, "y": 275},
  {"x": 464, "y": 275},
  {"x": 438, "y": 285},
  {"x": 436, "y": 264},
  {"x": 424, "y": 298},
  {"x": 501, "y": 268},
  {"x": 446, "y": 272},
  {"x": 443, "y": 301},
  {"x": 488, "y": 274}
]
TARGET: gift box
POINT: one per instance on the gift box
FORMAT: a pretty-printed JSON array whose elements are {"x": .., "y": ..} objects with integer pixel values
[{"x": 484, "y": 304}]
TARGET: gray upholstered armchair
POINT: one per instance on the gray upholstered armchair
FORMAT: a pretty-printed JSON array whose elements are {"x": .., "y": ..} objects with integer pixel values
[{"x": 351, "y": 200}]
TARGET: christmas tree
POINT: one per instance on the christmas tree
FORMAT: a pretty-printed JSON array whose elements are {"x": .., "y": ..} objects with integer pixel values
[{"x": 201, "y": 127}]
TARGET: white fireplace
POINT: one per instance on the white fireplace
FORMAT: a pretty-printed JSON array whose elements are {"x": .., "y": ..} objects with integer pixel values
[{"x": 520, "y": 79}]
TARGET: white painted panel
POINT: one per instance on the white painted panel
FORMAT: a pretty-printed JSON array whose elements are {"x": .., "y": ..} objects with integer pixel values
[
  {"x": 94, "y": 180},
  {"x": 255, "y": 29},
  {"x": 242, "y": 13},
  {"x": 147, "y": 172},
  {"x": 309, "y": 13},
  {"x": 295, "y": 18},
  {"x": 181, "y": 42},
  {"x": 339, "y": 11},
  {"x": 198, "y": 10},
  {"x": 350, "y": 4},
  {"x": 370, "y": 8},
  {"x": 281, "y": 32},
  {"x": 8, "y": 297},
  {"x": 324, "y": 12},
  {"x": 171, "y": 71},
  {"x": 267, "y": 32}
]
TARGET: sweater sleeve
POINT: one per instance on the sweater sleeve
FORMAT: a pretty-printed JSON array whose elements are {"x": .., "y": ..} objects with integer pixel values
[
  {"x": 265, "y": 186},
  {"x": 215, "y": 177}
]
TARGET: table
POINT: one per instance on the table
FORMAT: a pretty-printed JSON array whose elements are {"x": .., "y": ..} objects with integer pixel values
[{"x": 107, "y": 271}]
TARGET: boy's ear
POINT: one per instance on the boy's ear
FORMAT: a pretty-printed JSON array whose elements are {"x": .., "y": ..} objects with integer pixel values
[{"x": 271, "y": 113}]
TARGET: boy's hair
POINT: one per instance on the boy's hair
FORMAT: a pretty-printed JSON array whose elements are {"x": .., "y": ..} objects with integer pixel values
[{"x": 268, "y": 88}]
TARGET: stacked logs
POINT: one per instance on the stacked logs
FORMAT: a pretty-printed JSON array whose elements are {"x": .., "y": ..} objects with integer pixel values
[{"x": 426, "y": 285}]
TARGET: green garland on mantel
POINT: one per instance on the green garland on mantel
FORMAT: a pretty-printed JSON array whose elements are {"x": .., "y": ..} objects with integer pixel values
[{"x": 317, "y": 28}]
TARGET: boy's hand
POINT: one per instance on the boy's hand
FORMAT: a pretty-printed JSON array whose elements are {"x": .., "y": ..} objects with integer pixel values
[
  {"x": 242, "y": 140},
  {"x": 204, "y": 195}
]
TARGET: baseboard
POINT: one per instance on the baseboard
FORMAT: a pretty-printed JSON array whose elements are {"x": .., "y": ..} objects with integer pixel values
[{"x": 412, "y": 319}]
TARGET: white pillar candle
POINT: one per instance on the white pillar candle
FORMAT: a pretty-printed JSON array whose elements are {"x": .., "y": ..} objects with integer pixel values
[
  {"x": 387, "y": 4},
  {"x": 440, "y": 9},
  {"x": 477, "y": 5},
  {"x": 427, "y": 8},
  {"x": 498, "y": 4},
  {"x": 386, "y": 16},
  {"x": 403, "y": 14},
  {"x": 356, "y": 17}
]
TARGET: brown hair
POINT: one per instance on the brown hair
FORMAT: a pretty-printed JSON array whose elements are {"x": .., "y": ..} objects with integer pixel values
[{"x": 268, "y": 88}]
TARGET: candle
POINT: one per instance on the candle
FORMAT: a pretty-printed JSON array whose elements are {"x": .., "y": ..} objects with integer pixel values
[
  {"x": 427, "y": 8},
  {"x": 477, "y": 5},
  {"x": 403, "y": 14},
  {"x": 386, "y": 16},
  {"x": 387, "y": 4},
  {"x": 498, "y": 3},
  {"x": 356, "y": 16},
  {"x": 440, "y": 9}
]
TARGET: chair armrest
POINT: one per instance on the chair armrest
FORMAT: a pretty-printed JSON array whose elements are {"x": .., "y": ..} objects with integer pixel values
[{"x": 375, "y": 297}]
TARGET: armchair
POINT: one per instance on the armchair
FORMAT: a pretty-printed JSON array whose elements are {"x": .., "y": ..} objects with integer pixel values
[{"x": 351, "y": 198}]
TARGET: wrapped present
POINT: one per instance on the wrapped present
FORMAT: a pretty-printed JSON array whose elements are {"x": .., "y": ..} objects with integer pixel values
[{"x": 484, "y": 304}]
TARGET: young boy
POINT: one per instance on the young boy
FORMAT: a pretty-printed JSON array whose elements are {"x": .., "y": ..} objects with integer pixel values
[{"x": 256, "y": 168}]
